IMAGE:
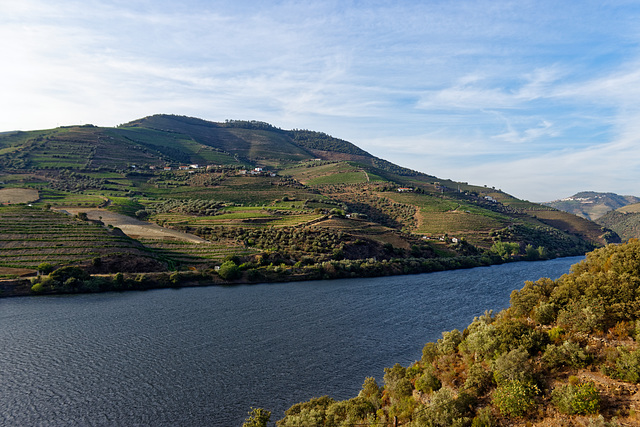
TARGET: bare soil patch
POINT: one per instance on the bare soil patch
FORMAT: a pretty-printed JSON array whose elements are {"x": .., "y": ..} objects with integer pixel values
[
  {"x": 134, "y": 228},
  {"x": 18, "y": 195},
  {"x": 6, "y": 271}
]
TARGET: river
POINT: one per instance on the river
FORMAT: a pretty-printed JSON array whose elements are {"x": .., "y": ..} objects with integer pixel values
[{"x": 205, "y": 356}]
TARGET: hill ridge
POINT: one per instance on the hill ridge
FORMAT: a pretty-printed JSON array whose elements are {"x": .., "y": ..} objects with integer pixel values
[{"x": 313, "y": 204}]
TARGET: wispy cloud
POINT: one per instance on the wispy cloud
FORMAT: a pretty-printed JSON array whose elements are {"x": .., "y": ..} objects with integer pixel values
[{"x": 477, "y": 90}]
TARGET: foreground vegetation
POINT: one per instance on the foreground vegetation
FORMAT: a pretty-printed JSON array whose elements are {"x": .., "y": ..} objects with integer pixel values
[{"x": 564, "y": 353}]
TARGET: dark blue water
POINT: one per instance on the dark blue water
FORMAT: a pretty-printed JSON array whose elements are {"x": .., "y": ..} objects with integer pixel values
[{"x": 204, "y": 356}]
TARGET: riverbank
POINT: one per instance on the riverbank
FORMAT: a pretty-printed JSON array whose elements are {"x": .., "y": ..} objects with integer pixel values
[{"x": 73, "y": 280}]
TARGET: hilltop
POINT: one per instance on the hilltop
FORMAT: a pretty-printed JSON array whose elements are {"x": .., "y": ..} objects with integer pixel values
[
  {"x": 256, "y": 203},
  {"x": 592, "y": 205}
]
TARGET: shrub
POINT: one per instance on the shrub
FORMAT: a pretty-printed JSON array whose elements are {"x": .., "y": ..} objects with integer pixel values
[
  {"x": 45, "y": 268},
  {"x": 567, "y": 354},
  {"x": 441, "y": 411},
  {"x": 449, "y": 342},
  {"x": 512, "y": 334},
  {"x": 556, "y": 334},
  {"x": 348, "y": 412},
  {"x": 482, "y": 338},
  {"x": 371, "y": 392},
  {"x": 512, "y": 366},
  {"x": 396, "y": 383},
  {"x": 515, "y": 398},
  {"x": 545, "y": 313},
  {"x": 258, "y": 417},
  {"x": 428, "y": 382},
  {"x": 429, "y": 352},
  {"x": 229, "y": 270},
  {"x": 579, "y": 399},
  {"x": 583, "y": 316},
  {"x": 484, "y": 418},
  {"x": 627, "y": 365},
  {"x": 479, "y": 380}
]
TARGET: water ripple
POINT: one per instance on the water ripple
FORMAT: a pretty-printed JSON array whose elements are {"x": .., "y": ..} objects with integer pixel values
[{"x": 204, "y": 356}]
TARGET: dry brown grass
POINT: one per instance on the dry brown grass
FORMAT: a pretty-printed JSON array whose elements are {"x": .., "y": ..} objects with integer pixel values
[
  {"x": 18, "y": 195},
  {"x": 134, "y": 228}
]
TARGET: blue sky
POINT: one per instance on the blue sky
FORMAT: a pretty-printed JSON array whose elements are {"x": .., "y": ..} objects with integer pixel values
[{"x": 538, "y": 98}]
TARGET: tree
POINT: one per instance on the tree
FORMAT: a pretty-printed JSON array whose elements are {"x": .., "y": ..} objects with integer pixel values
[
  {"x": 45, "y": 268},
  {"x": 258, "y": 417},
  {"x": 229, "y": 270}
]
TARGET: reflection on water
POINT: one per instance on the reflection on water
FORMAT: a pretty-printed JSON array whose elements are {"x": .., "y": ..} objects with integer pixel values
[{"x": 204, "y": 356}]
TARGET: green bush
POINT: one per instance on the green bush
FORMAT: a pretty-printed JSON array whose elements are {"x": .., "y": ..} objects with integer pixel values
[
  {"x": 567, "y": 354},
  {"x": 428, "y": 382},
  {"x": 37, "y": 288},
  {"x": 479, "y": 379},
  {"x": 627, "y": 365},
  {"x": 309, "y": 413},
  {"x": 449, "y": 342},
  {"x": 229, "y": 270},
  {"x": 545, "y": 313},
  {"x": 258, "y": 417},
  {"x": 45, "y": 268},
  {"x": 484, "y": 418},
  {"x": 578, "y": 399},
  {"x": 429, "y": 352},
  {"x": 512, "y": 366},
  {"x": 583, "y": 316},
  {"x": 442, "y": 411},
  {"x": 348, "y": 412},
  {"x": 371, "y": 392},
  {"x": 556, "y": 334},
  {"x": 515, "y": 398},
  {"x": 481, "y": 340}
]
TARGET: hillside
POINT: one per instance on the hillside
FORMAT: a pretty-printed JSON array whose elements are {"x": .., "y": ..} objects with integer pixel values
[
  {"x": 625, "y": 221},
  {"x": 592, "y": 205},
  {"x": 287, "y": 204},
  {"x": 565, "y": 353}
]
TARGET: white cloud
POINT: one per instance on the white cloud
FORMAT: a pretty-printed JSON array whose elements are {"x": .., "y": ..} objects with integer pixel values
[{"x": 497, "y": 91}]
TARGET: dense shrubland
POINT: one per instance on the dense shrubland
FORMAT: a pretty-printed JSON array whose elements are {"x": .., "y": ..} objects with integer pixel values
[{"x": 564, "y": 353}]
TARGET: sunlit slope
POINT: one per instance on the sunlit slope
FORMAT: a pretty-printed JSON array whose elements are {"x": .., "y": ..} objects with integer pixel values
[{"x": 625, "y": 221}]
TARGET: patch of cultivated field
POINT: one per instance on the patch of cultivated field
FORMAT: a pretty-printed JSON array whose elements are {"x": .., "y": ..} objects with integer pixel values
[
  {"x": 18, "y": 195},
  {"x": 30, "y": 236},
  {"x": 195, "y": 254}
]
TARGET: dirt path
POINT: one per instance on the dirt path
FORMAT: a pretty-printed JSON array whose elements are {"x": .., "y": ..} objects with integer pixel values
[{"x": 134, "y": 228}]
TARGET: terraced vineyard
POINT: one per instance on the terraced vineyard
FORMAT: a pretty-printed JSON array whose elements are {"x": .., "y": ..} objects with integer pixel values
[
  {"x": 30, "y": 236},
  {"x": 197, "y": 255}
]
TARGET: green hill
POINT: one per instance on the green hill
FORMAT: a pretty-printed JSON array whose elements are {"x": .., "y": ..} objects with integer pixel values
[{"x": 298, "y": 198}]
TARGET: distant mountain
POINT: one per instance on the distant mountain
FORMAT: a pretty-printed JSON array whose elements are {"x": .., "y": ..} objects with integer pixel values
[{"x": 592, "y": 205}]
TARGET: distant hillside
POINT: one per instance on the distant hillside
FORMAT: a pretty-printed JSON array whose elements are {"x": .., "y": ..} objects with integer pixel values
[
  {"x": 625, "y": 221},
  {"x": 284, "y": 204},
  {"x": 592, "y": 205}
]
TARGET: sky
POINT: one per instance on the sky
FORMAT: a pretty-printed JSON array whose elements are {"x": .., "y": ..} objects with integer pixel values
[{"x": 540, "y": 99}]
